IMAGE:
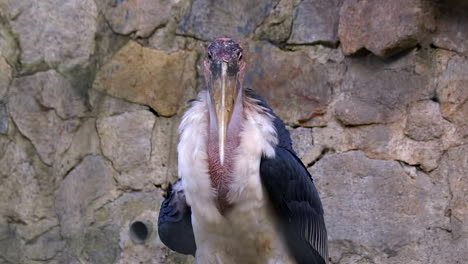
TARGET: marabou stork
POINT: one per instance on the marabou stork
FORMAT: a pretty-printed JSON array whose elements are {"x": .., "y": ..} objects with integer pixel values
[{"x": 243, "y": 196}]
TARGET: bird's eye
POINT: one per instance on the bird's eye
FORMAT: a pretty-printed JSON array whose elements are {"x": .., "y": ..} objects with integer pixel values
[
  {"x": 239, "y": 55},
  {"x": 210, "y": 57}
]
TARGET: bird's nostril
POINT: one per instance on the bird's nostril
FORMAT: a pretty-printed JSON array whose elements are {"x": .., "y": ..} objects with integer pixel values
[{"x": 140, "y": 231}]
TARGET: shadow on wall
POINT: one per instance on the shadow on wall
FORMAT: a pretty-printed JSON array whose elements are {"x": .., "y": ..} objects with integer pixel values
[{"x": 91, "y": 93}]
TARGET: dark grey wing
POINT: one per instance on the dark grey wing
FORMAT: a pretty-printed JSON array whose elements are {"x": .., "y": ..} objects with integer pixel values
[
  {"x": 175, "y": 223},
  {"x": 298, "y": 206}
]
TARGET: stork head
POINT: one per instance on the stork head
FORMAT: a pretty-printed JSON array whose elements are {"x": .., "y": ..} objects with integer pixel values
[{"x": 224, "y": 72}]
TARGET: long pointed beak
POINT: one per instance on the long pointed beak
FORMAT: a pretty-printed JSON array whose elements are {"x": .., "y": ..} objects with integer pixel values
[{"x": 223, "y": 92}]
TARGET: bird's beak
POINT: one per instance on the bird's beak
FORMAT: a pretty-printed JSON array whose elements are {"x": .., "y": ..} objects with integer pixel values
[{"x": 223, "y": 90}]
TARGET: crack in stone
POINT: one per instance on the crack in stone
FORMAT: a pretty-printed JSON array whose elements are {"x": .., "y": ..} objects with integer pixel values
[
  {"x": 24, "y": 140},
  {"x": 433, "y": 46},
  {"x": 193, "y": 37},
  {"x": 324, "y": 152},
  {"x": 102, "y": 153}
]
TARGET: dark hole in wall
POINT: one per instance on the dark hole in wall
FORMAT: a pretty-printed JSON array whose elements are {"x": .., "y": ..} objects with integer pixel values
[{"x": 139, "y": 231}]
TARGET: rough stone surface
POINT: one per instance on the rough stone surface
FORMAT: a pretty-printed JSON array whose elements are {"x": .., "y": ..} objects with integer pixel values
[
  {"x": 453, "y": 95},
  {"x": 24, "y": 204},
  {"x": 387, "y": 142},
  {"x": 89, "y": 185},
  {"x": 383, "y": 28},
  {"x": 451, "y": 32},
  {"x": 101, "y": 245},
  {"x": 3, "y": 119},
  {"x": 294, "y": 76},
  {"x": 303, "y": 141},
  {"x": 350, "y": 180},
  {"x": 92, "y": 93},
  {"x": 454, "y": 168},
  {"x": 425, "y": 121},
  {"x": 276, "y": 28},
  {"x": 316, "y": 22},
  {"x": 126, "y": 138},
  {"x": 164, "y": 154},
  {"x": 50, "y": 135},
  {"x": 55, "y": 31},
  {"x": 85, "y": 142},
  {"x": 149, "y": 77},
  {"x": 10, "y": 245},
  {"x": 373, "y": 93},
  {"x": 5, "y": 76},
  {"x": 9, "y": 49},
  {"x": 138, "y": 207},
  {"x": 106, "y": 105},
  {"x": 161, "y": 168},
  {"x": 47, "y": 246},
  {"x": 141, "y": 17},
  {"x": 52, "y": 90},
  {"x": 208, "y": 19}
]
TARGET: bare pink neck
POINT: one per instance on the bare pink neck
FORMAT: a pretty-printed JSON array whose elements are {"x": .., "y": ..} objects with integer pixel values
[{"x": 220, "y": 174}]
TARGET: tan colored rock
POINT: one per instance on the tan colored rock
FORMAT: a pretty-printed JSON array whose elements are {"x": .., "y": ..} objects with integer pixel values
[
  {"x": 425, "y": 121},
  {"x": 126, "y": 138},
  {"x": 373, "y": 139},
  {"x": 141, "y": 17},
  {"x": 453, "y": 93},
  {"x": 386, "y": 142},
  {"x": 424, "y": 154},
  {"x": 295, "y": 86},
  {"x": 384, "y": 28},
  {"x": 50, "y": 135},
  {"x": 146, "y": 76}
]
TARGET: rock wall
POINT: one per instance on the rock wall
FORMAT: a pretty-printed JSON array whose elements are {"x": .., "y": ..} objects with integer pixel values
[{"x": 91, "y": 93}]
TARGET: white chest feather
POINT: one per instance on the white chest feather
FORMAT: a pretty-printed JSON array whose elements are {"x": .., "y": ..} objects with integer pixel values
[{"x": 247, "y": 232}]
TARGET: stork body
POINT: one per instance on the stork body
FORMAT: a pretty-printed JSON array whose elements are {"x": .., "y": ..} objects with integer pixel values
[
  {"x": 252, "y": 200},
  {"x": 246, "y": 231}
]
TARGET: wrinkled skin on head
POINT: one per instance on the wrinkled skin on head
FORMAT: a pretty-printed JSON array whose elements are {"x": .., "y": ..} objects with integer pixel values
[
  {"x": 224, "y": 73},
  {"x": 228, "y": 51}
]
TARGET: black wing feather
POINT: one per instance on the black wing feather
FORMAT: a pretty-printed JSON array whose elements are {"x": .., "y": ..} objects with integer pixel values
[
  {"x": 175, "y": 223},
  {"x": 297, "y": 203},
  {"x": 294, "y": 197}
]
